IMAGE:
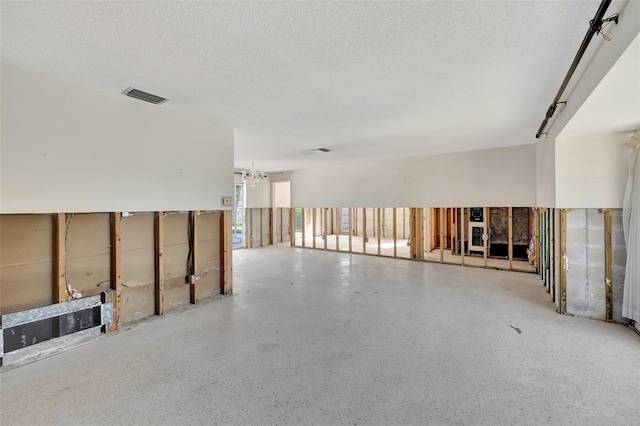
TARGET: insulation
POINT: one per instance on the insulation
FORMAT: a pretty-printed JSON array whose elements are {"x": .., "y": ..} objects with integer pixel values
[
  {"x": 277, "y": 225},
  {"x": 585, "y": 263},
  {"x": 265, "y": 230},
  {"x": 176, "y": 251},
  {"x": 619, "y": 261},
  {"x": 26, "y": 266},
  {"x": 138, "y": 267},
  {"x": 208, "y": 260},
  {"x": 89, "y": 252},
  {"x": 286, "y": 225},
  {"x": 256, "y": 220}
]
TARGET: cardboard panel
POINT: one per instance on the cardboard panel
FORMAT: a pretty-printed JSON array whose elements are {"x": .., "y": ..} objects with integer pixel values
[
  {"x": 26, "y": 267},
  {"x": 208, "y": 254},
  {"x": 89, "y": 253},
  {"x": 138, "y": 267},
  {"x": 176, "y": 251}
]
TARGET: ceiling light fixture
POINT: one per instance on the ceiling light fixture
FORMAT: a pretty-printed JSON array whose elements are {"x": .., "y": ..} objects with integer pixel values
[
  {"x": 253, "y": 176},
  {"x": 320, "y": 150}
]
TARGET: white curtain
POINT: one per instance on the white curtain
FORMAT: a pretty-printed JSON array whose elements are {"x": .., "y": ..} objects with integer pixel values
[{"x": 631, "y": 222}]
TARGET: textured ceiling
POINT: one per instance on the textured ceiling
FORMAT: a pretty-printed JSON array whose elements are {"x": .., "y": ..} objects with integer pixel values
[{"x": 369, "y": 80}]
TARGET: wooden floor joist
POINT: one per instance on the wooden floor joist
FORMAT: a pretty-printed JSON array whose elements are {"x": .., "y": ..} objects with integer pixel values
[
  {"x": 193, "y": 288},
  {"x": 226, "y": 252},
  {"x": 485, "y": 235},
  {"x": 60, "y": 259},
  {"x": 313, "y": 225},
  {"x": 116, "y": 270},
  {"x": 562, "y": 303},
  {"x": 324, "y": 227},
  {"x": 379, "y": 233},
  {"x": 159, "y": 261},
  {"x": 395, "y": 234},
  {"x": 304, "y": 226},
  {"x": 608, "y": 265},
  {"x": 443, "y": 212},
  {"x": 350, "y": 230},
  {"x": 510, "y": 236},
  {"x": 364, "y": 230},
  {"x": 462, "y": 248}
]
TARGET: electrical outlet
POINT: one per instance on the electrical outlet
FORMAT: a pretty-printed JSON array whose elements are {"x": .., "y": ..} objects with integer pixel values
[{"x": 227, "y": 201}]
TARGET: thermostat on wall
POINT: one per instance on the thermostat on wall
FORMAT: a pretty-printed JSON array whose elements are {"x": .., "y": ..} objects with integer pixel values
[{"x": 227, "y": 201}]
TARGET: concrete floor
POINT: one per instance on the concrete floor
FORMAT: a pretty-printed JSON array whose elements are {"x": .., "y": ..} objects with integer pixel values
[{"x": 315, "y": 337}]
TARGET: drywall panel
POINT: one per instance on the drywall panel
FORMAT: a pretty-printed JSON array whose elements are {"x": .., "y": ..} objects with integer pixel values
[
  {"x": 208, "y": 254},
  {"x": 591, "y": 171},
  {"x": 26, "y": 267},
  {"x": 70, "y": 148},
  {"x": 495, "y": 177},
  {"x": 137, "y": 245},
  {"x": 619, "y": 262},
  {"x": 88, "y": 238},
  {"x": 585, "y": 263},
  {"x": 176, "y": 252}
]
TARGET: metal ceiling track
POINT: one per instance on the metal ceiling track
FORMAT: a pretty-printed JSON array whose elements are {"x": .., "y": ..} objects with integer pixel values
[{"x": 595, "y": 26}]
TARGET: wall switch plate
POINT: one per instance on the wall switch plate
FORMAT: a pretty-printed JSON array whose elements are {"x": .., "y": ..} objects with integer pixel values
[{"x": 227, "y": 201}]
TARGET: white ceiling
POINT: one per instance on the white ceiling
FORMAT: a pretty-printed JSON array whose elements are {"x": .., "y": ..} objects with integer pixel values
[
  {"x": 369, "y": 80},
  {"x": 614, "y": 105}
]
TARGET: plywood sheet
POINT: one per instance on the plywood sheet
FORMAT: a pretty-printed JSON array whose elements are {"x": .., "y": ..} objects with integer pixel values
[
  {"x": 89, "y": 252},
  {"x": 176, "y": 252},
  {"x": 26, "y": 267},
  {"x": 208, "y": 254},
  {"x": 138, "y": 267}
]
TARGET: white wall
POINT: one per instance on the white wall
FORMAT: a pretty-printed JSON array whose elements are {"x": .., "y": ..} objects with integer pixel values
[
  {"x": 258, "y": 196},
  {"x": 546, "y": 173},
  {"x": 598, "y": 61},
  {"x": 281, "y": 194},
  {"x": 67, "y": 148},
  {"x": 492, "y": 178},
  {"x": 591, "y": 171}
]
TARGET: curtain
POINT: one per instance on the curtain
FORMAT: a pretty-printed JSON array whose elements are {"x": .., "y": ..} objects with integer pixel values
[{"x": 631, "y": 223}]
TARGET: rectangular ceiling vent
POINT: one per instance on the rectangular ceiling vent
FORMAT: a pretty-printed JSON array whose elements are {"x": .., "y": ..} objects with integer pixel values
[
  {"x": 144, "y": 96},
  {"x": 320, "y": 150}
]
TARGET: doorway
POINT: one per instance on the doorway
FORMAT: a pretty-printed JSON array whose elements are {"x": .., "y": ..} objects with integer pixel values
[{"x": 237, "y": 226}]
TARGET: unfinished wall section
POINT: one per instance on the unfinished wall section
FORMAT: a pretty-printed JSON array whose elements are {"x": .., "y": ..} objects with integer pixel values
[
  {"x": 138, "y": 267},
  {"x": 594, "y": 279},
  {"x": 80, "y": 272}
]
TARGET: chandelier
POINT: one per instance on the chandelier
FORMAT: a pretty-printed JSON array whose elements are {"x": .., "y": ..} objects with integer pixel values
[{"x": 253, "y": 176}]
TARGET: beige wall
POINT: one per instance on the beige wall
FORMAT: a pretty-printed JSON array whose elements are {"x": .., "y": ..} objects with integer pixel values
[
  {"x": 67, "y": 148},
  {"x": 494, "y": 177}
]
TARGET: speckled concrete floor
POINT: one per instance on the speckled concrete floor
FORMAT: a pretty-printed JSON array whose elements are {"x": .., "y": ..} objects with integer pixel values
[{"x": 316, "y": 337}]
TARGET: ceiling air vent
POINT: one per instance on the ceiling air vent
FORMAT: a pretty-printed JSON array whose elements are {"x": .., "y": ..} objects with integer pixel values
[
  {"x": 144, "y": 96},
  {"x": 320, "y": 150}
]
